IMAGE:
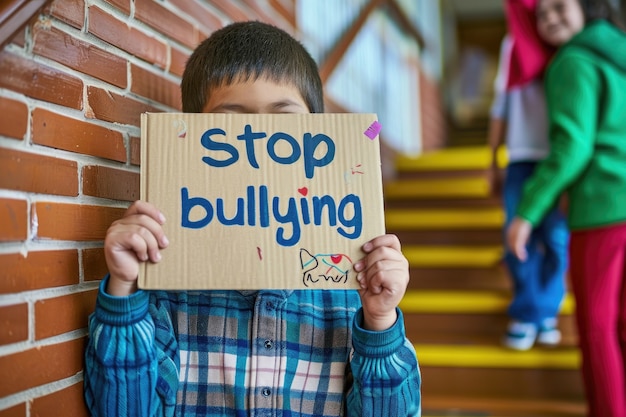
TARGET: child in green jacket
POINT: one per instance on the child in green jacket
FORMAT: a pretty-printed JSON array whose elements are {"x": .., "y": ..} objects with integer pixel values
[{"x": 586, "y": 96}]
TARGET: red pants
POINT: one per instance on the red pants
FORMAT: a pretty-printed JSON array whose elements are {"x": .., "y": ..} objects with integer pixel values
[{"x": 598, "y": 273}]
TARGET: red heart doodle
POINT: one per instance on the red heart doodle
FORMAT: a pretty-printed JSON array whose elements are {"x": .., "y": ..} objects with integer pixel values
[
  {"x": 336, "y": 258},
  {"x": 304, "y": 191}
]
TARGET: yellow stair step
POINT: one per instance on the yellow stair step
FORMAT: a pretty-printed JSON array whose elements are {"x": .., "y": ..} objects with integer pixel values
[
  {"x": 453, "y": 256},
  {"x": 457, "y": 158},
  {"x": 464, "y": 302},
  {"x": 469, "y": 187},
  {"x": 497, "y": 357},
  {"x": 480, "y": 218}
]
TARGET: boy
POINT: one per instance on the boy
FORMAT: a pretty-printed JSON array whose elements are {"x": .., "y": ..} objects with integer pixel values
[{"x": 274, "y": 352}]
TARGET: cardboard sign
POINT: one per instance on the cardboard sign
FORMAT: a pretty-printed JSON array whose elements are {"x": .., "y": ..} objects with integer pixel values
[{"x": 261, "y": 201}]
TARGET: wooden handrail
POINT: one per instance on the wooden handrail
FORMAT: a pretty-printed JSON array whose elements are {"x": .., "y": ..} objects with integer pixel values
[
  {"x": 395, "y": 12},
  {"x": 344, "y": 42},
  {"x": 14, "y": 14},
  {"x": 404, "y": 22}
]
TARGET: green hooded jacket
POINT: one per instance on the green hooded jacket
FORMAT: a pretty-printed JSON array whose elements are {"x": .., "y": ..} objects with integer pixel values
[{"x": 586, "y": 96}]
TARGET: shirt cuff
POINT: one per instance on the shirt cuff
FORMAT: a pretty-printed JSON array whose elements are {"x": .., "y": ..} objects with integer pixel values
[
  {"x": 377, "y": 343},
  {"x": 120, "y": 311}
]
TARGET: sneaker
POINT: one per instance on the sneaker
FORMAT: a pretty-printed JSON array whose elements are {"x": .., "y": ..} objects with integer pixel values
[
  {"x": 520, "y": 335},
  {"x": 549, "y": 334}
]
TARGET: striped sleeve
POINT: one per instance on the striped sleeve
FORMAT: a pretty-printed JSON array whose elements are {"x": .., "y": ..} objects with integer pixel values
[
  {"x": 386, "y": 376},
  {"x": 125, "y": 373}
]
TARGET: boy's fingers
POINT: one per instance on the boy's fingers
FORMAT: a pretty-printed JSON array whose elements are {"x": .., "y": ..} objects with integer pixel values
[
  {"x": 145, "y": 208},
  {"x": 149, "y": 225},
  {"x": 136, "y": 239},
  {"x": 388, "y": 240},
  {"x": 383, "y": 273},
  {"x": 384, "y": 253},
  {"x": 147, "y": 241}
]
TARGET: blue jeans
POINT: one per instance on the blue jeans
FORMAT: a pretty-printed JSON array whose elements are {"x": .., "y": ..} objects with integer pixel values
[{"x": 538, "y": 282}]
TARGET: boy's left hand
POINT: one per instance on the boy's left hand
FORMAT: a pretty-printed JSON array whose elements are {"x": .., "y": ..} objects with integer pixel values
[{"x": 383, "y": 275}]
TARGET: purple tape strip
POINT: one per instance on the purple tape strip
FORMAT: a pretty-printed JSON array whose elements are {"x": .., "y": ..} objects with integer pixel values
[{"x": 373, "y": 130}]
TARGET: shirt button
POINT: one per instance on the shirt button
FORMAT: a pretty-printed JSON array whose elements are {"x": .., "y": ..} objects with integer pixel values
[
  {"x": 269, "y": 344},
  {"x": 266, "y": 392},
  {"x": 269, "y": 306}
]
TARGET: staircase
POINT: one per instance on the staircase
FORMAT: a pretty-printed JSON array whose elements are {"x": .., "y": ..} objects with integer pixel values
[{"x": 455, "y": 307}]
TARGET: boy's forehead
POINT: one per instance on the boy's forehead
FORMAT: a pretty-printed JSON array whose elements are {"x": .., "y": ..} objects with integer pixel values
[{"x": 258, "y": 95}]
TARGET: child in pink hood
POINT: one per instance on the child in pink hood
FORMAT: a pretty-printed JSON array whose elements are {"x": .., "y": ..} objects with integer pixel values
[{"x": 519, "y": 120}]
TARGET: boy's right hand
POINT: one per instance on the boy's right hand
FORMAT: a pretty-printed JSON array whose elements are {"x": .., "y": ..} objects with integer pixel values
[{"x": 137, "y": 237}]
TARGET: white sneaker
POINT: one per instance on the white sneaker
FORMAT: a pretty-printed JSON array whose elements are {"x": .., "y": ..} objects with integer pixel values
[
  {"x": 520, "y": 335},
  {"x": 549, "y": 334}
]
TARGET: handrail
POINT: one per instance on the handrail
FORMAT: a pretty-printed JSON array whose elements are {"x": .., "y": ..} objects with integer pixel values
[
  {"x": 343, "y": 43},
  {"x": 14, "y": 14}
]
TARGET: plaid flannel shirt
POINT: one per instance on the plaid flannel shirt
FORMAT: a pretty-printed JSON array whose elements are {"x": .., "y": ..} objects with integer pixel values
[{"x": 240, "y": 353}]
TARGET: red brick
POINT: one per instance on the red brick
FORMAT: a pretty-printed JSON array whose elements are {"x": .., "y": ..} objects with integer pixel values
[
  {"x": 56, "y": 131},
  {"x": 233, "y": 11},
  {"x": 131, "y": 40},
  {"x": 94, "y": 264},
  {"x": 114, "y": 184},
  {"x": 13, "y": 118},
  {"x": 71, "y": 12},
  {"x": 40, "y": 365},
  {"x": 36, "y": 173},
  {"x": 38, "y": 270},
  {"x": 39, "y": 81},
  {"x": 135, "y": 150},
  {"x": 55, "y": 316},
  {"x": 112, "y": 107},
  {"x": 66, "y": 402},
  {"x": 153, "y": 14},
  {"x": 80, "y": 55},
  {"x": 155, "y": 87},
  {"x": 74, "y": 221},
  {"x": 196, "y": 10},
  {"x": 16, "y": 411},
  {"x": 13, "y": 220},
  {"x": 13, "y": 323},
  {"x": 178, "y": 61},
  {"x": 123, "y": 5}
]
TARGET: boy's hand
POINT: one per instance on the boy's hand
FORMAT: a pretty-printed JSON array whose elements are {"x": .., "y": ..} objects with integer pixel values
[
  {"x": 383, "y": 275},
  {"x": 136, "y": 237},
  {"x": 517, "y": 236}
]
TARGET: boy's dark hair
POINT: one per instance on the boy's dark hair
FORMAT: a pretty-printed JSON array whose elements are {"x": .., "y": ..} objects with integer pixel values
[
  {"x": 601, "y": 9},
  {"x": 248, "y": 51}
]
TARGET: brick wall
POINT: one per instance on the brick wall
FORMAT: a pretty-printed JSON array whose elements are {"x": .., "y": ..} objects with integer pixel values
[{"x": 73, "y": 84}]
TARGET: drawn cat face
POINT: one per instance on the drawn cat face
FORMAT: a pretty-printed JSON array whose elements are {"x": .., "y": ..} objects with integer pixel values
[{"x": 324, "y": 267}]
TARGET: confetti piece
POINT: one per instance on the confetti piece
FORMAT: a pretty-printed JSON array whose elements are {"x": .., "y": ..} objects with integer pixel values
[
  {"x": 373, "y": 130},
  {"x": 181, "y": 128}
]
